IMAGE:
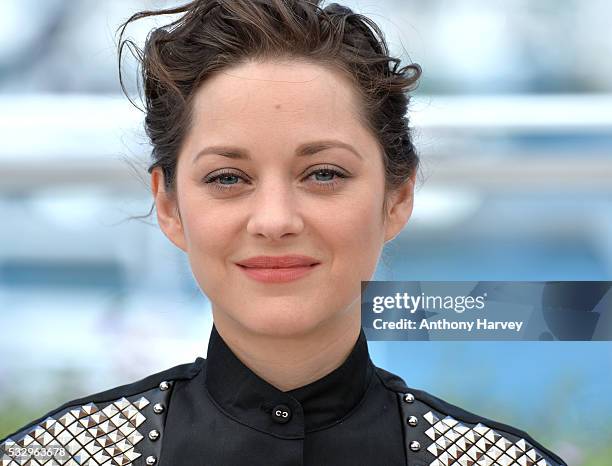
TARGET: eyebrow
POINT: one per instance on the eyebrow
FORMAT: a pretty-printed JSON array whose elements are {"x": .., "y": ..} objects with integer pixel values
[{"x": 304, "y": 149}]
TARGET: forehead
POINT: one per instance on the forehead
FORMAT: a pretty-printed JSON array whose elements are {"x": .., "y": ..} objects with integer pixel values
[{"x": 281, "y": 98}]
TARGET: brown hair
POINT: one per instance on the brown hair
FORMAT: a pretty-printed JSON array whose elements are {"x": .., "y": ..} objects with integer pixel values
[{"x": 213, "y": 35}]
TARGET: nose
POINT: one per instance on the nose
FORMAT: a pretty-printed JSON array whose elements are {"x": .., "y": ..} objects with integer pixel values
[{"x": 275, "y": 211}]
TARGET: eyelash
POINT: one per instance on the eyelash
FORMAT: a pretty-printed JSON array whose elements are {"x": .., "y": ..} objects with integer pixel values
[{"x": 327, "y": 185}]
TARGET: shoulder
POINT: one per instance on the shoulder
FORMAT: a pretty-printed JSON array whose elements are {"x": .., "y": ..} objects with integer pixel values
[
  {"x": 438, "y": 432},
  {"x": 104, "y": 425}
]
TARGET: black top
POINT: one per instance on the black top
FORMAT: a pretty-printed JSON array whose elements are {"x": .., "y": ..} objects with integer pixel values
[
  {"x": 250, "y": 400},
  {"x": 217, "y": 412}
]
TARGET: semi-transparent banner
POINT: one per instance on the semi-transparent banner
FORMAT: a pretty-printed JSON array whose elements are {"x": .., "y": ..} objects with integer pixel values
[{"x": 490, "y": 310}]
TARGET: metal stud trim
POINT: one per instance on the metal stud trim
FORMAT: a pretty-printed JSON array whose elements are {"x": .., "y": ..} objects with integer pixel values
[
  {"x": 87, "y": 435},
  {"x": 158, "y": 408},
  {"x": 454, "y": 443},
  {"x": 164, "y": 386}
]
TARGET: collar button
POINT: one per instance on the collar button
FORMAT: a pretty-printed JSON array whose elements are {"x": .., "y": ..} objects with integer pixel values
[{"x": 281, "y": 414}]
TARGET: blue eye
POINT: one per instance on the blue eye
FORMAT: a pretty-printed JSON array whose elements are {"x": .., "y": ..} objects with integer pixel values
[
  {"x": 226, "y": 180},
  {"x": 226, "y": 177},
  {"x": 223, "y": 176},
  {"x": 328, "y": 172}
]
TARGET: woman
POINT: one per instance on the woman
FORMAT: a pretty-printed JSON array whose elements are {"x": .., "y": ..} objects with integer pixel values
[{"x": 282, "y": 165}]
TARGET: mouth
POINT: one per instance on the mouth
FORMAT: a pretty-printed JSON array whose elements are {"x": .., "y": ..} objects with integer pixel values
[
  {"x": 278, "y": 274},
  {"x": 278, "y": 267},
  {"x": 278, "y": 262}
]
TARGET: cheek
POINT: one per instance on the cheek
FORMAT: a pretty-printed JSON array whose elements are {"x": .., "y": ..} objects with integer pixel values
[
  {"x": 206, "y": 223},
  {"x": 210, "y": 236},
  {"x": 356, "y": 236}
]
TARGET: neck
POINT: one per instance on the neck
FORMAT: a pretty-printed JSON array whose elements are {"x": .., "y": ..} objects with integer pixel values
[{"x": 297, "y": 360}]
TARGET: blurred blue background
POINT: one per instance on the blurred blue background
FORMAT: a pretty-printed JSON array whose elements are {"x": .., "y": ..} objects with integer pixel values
[{"x": 513, "y": 121}]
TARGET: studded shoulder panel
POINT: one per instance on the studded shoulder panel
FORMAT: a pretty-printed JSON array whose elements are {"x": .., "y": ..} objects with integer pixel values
[
  {"x": 121, "y": 432},
  {"x": 434, "y": 438}
]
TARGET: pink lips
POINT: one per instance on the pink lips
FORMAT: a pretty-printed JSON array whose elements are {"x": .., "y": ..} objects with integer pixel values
[{"x": 275, "y": 269}]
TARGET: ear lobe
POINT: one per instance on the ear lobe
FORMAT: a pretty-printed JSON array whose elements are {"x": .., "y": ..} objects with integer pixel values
[
  {"x": 400, "y": 206},
  {"x": 166, "y": 206}
]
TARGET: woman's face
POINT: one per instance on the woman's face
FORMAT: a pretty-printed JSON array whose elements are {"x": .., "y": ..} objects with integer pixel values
[{"x": 276, "y": 199}]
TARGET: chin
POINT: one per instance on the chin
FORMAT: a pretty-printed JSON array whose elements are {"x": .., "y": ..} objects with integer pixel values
[{"x": 280, "y": 323}]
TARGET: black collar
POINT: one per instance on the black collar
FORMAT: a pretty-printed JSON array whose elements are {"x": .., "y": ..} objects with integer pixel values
[{"x": 252, "y": 401}]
